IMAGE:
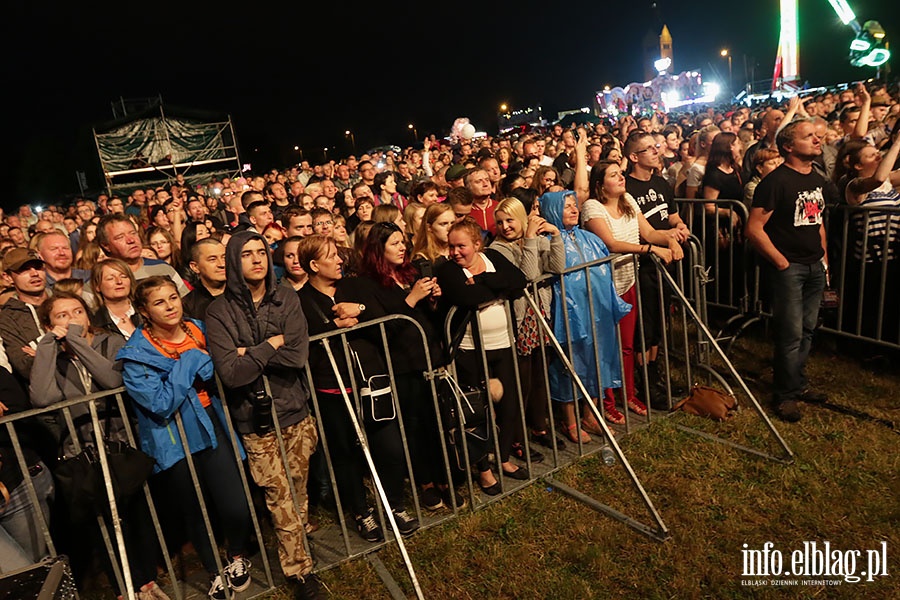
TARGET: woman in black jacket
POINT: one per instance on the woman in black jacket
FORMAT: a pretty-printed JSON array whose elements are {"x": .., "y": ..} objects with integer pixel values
[
  {"x": 481, "y": 279},
  {"x": 331, "y": 303},
  {"x": 395, "y": 287}
]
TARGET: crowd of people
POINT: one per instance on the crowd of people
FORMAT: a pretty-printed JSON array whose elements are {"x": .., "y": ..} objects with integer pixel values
[{"x": 159, "y": 288}]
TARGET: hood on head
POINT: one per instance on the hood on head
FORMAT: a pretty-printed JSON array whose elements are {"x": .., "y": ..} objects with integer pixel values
[
  {"x": 234, "y": 272},
  {"x": 552, "y": 204}
]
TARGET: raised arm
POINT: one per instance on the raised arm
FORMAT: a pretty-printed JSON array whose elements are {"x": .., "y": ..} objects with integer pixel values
[
  {"x": 42, "y": 387},
  {"x": 859, "y": 187},
  {"x": 581, "y": 183},
  {"x": 862, "y": 124}
]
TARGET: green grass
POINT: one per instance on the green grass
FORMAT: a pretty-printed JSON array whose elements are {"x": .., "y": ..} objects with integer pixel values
[
  {"x": 843, "y": 487},
  {"x": 539, "y": 543}
]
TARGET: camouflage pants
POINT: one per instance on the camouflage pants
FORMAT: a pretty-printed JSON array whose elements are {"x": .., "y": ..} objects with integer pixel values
[{"x": 267, "y": 470}]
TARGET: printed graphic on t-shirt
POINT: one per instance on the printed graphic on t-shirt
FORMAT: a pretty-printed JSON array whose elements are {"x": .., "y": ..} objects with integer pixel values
[
  {"x": 808, "y": 208},
  {"x": 652, "y": 198}
]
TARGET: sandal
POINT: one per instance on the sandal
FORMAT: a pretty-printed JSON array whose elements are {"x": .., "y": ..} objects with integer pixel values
[
  {"x": 637, "y": 407},
  {"x": 612, "y": 413},
  {"x": 571, "y": 432},
  {"x": 614, "y": 416},
  {"x": 591, "y": 426}
]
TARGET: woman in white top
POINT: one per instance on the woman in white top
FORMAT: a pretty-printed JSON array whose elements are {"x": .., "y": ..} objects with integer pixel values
[
  {"x": 479, "y": 280},
  {"x": 615, "y": 217}
]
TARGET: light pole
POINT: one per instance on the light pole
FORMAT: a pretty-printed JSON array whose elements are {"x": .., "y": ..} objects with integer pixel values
[
  {"x": 326, "y": 154},
  {"x": 413, "y": 129},
  {"x": 349, "y": 134},
  {"x": 300, "y": 150},
  {"x": 726, "y": 54}
]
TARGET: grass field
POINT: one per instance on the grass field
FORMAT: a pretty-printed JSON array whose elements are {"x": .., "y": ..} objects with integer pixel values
[{"x": 842, "y": 488}]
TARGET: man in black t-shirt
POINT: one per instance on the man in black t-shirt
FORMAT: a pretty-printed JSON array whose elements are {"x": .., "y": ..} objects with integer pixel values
[
  {"x": 656, "y": 199},
  {"x": 785, "y": 227}
]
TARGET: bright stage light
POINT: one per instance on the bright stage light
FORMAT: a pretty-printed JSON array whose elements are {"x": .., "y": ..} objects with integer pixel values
[{"x": 843, "y": 10}]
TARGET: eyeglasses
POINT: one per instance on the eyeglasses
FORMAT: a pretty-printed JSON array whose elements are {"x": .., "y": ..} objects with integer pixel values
[
  {"x": 323, "y": 223},
  {"x": 655, "y": 147}
]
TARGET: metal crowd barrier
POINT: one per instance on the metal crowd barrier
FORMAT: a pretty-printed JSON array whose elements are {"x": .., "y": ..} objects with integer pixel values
[
  {"x": 727, "y": 266},
  {"x": 326, "y": 546},
  {"x": 864, "y": 252},
  {"x": 115, "y": 545},
  {"x": 864, "y": 258}
]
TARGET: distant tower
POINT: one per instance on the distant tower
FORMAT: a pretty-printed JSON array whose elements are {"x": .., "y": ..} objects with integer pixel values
[
  {"x": 787, "y": 59},
  {"x": 665, "y": 47}
]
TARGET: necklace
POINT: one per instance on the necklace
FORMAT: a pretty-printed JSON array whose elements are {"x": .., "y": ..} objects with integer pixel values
[{"x": 172, "y": 352}]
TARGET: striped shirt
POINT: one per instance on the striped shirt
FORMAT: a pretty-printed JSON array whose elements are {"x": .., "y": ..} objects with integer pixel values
[
  {"x": 882, "y": 232},
  {"x": 623, "y": 229}
]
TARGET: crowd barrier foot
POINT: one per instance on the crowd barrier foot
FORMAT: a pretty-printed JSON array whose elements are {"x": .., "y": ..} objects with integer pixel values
[
  {"x": 387, "y": 579},
  {"x": 660, "y": 535}
]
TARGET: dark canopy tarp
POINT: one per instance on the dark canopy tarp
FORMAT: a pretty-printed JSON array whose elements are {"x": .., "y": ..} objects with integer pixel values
[{"x": 161, "y": 134}]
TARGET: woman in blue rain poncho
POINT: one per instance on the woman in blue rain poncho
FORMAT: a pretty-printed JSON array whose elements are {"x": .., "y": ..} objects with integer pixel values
[{"x": 572, "y": 318}]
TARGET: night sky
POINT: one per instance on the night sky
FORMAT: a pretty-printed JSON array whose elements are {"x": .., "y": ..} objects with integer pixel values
[{"x": 294, "y": 75}]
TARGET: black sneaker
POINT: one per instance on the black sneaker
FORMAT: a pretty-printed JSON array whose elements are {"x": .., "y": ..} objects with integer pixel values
[
  {"x": 813, "y": 397},
  {"x": 368, "y": 526},
  {"x": 546, "y": 440},
  {"x": 237, "y": 573},
  {"x": 518, "y": 450},
  {"x": 406, "y": 523},
  {"x": 309, "y": 588},
  {"x": 461, "y": 501},
  {"x": 788, "y": 410},
  {"x": 216, "y": 588},
  {"x": 431, "y": 499}
]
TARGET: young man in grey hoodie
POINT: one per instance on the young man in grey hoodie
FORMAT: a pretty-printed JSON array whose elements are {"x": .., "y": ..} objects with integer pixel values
[{"x": 257, "y": 330}]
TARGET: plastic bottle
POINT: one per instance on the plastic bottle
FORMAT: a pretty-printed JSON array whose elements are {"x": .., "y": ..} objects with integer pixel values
[{"x": 609, "y": 457}]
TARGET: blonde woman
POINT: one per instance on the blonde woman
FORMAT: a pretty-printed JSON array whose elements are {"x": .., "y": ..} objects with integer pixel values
[
  {"x": 431, "y": 238},
  {"x": 536, "y": 248}
]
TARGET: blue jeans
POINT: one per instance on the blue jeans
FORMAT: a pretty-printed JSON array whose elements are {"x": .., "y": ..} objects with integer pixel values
[
  {"x": 796, "y": 298},
  {"x": 21, "y": 542}
]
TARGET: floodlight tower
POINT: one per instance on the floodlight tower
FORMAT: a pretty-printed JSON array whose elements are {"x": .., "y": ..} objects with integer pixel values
[{"x": 787, "y": 59}]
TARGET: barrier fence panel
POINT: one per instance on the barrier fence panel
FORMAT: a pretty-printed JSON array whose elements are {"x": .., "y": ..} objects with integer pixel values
[
  {"x": 864, "y": 254},
  {"x": 118, "y": 554},
  {"x": 334, "y": 544},
  {"x": 863, "y": 247},
  {"x": 704, "y": 332},
  {"x": 725, "y": 252}
]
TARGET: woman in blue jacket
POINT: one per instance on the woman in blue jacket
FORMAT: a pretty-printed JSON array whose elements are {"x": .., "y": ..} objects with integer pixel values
[
  {"x": 167, "y": 369},
  {"x": 561, "y": 210}
]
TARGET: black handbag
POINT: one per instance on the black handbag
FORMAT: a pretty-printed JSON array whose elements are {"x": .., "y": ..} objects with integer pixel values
[
  {"x": 376, "y": 400},
  {"x": 375, "y": 397},
  {"x": 464, "y": 411},
  {"x": 80, "y": 482}
]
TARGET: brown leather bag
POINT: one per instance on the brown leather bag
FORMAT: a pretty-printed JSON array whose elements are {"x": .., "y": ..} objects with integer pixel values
[{"x": 708, "y": 402}]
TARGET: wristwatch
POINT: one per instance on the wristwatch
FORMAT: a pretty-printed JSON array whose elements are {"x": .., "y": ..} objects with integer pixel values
[{"x": 362, "y": 307}]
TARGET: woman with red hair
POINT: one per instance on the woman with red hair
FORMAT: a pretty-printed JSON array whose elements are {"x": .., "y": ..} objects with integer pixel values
[{"x": 396, "y": 287}]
